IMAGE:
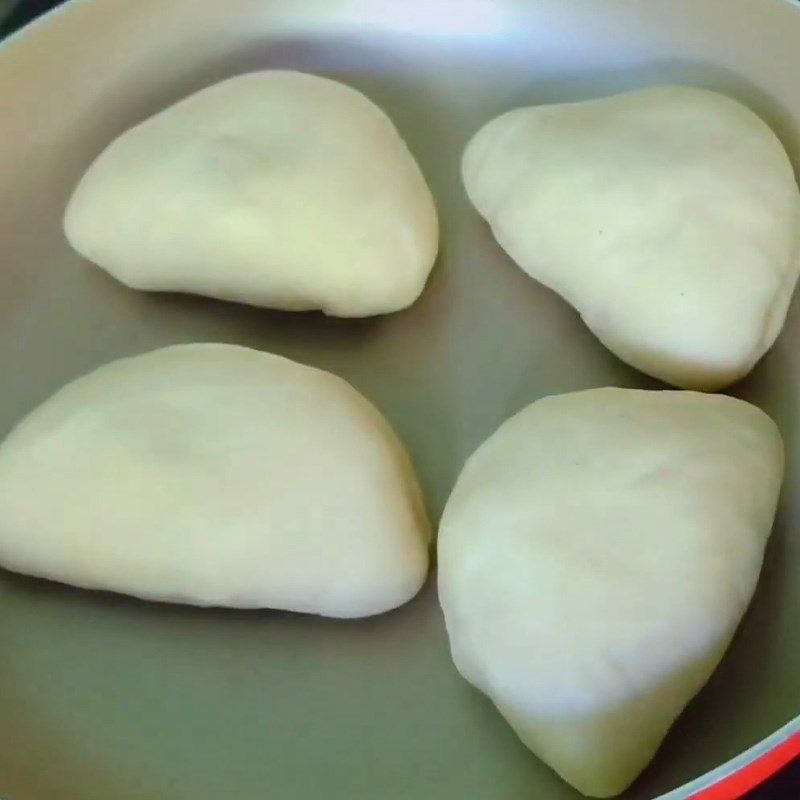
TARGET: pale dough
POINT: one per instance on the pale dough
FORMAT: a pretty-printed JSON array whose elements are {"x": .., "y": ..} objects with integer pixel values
[
  {"x": 215, "y": 475},
  {"x": 595, "y": 558},
  {"x": 273, "y": 188},
  {"x": 668, "y": 217}
]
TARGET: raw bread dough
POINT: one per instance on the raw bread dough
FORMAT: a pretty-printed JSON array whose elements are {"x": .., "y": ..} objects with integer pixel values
[
  {"x": 215, "y": 475},
  {"x": 668, "y": 217},
  {"x": 274, "y": 188},
  {"x": 595, "y": 558}
]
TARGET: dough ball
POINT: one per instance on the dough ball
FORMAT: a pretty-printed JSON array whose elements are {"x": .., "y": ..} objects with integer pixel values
[
  {"x": 215, "y": 475},
  {"x": 275, "y": 188},
  {"x": 595, "y": 559},
  {"x": 668, "y": 217}
]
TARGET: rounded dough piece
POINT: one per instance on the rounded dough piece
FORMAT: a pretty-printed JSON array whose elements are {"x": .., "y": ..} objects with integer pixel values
[
  {"x": 594, "y": 560},
  {"x": 275, "y": 188},
  {"x": 668, "y": 217},
  {"x": 215, "y": 475}
]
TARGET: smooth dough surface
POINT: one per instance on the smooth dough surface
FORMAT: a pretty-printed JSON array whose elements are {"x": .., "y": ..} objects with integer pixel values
[
  {"x": 275, "y": 188},
  {"x": 668, "y": 217},
  {"x": 215, "y": 475},
  {"x": 595, "y": 558}
]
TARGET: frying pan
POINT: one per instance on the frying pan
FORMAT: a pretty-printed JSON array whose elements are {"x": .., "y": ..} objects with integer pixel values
[{"x": 104, "y": 697}]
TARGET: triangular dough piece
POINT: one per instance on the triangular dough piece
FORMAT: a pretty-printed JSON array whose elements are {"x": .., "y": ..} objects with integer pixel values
[
  {"x": 668, "y": 217},
  {"x": 595, "y": 559},
  {"x": 217, "y": 475},
  {"x": 274, "y": 188}
]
